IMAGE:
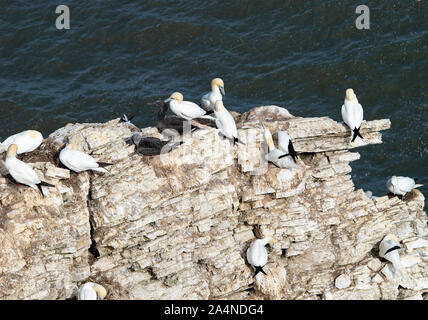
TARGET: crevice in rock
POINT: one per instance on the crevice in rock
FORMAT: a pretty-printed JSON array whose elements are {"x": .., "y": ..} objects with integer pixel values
[
  {"x": 152, "y": 273},
  {"x": 257, "y": 231},
  {"x": 94, "y": 253},
  {"x": 283, "y": 253}
]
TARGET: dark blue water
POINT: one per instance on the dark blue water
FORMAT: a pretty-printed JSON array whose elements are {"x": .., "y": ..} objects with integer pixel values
[{"x": 118, "y": 56}]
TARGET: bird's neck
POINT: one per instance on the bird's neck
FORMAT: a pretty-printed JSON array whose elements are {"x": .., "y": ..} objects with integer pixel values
[
  {"x": 355, "y": 100},
  {"x": 215, "y": 89}
]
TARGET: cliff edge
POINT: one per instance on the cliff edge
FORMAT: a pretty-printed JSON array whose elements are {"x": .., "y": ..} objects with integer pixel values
[{"x": 177, "y": 225}]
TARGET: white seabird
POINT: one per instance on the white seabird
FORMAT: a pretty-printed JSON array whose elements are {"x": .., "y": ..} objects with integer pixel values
[
  {"x": 225, "y": 122},
  {"x": 79, "y": 161},
  {"x": 127, "y": 120},
  {"x": 257, "y": 254},
  {"x": 388, "y": 249},
  {"x": 401, "y": 185},
  {"x": 26, "y": 141},
  {"x": 217, "y": 89},
  {"x": 186, "y": 109},
  {"x": 352, "y": 113},
  {"x": 91, "y": 291},
  {"x": 278, "y": 157},
  {"x": 22, "y": 172},
  {"x": 285, "y": 144}
]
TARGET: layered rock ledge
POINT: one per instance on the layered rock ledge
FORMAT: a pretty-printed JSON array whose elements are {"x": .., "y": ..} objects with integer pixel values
[{"x": 177, "y": 225}]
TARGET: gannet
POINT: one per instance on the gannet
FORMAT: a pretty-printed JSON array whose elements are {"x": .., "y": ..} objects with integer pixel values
[
  {"x": 257, "y": 254},
  {"x": 217, "y": 89},
  {"x": 151, "y": 146},
  {"x": 22, "y": 172},
  {"x": 127, "y": 120},
  {"x": 26, "y": 141},
  {"x": 91, "y": 291},
  {"x": 401, "y": 185},
  {"x": 285, "y": 144},
  {"x": 170, "y": 122},
  {"x": 186, "y": 109},
  {"x": 388, "y": 249},
  {"x": 225, "y": 122},
  {"x": 352, "y": 113},
  {"x": 79, "y": 161},
  {"x": 279, "y": 158}
]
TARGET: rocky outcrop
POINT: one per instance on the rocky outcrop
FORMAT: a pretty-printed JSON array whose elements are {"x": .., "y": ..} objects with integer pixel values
[{"x": 177, "y": 225}]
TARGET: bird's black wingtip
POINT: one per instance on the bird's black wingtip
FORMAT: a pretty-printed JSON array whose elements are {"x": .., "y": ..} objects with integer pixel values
[
  {"x": 259, "y": 269},
  {"x": 357, "y": 133}
]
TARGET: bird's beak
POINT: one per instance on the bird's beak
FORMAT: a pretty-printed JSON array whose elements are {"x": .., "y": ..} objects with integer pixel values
[
  {"x": 168, "y": 100},
  {"x": 222, "y": 91}
]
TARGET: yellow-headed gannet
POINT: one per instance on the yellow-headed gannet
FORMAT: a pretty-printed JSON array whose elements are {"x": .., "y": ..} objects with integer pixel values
[
  {"x": 217, "y": 89},
  {"x": 26, "y": 141},
  {"x": 22, "y": 172},
  {"x": 225, "y": 122},
  {"x": 257, "y": 254},
  {"x": 285, "y": 144},
  {"x": 279, "y": 158},
  {"x": 186, "y": 109},
  {"x": 91, "y": 291},
  {"x": 401, "y": 185},
  {"x": 352, "y": 113},
  {"x": 79, "y": 161}
]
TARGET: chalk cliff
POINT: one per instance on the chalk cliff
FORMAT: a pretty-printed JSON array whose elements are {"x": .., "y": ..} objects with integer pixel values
[{"x": 177, "y": 225}]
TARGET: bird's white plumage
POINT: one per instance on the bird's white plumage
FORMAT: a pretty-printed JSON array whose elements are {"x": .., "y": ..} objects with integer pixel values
[
  {"x": 283, "y": 140},
  {"x": 391, "y": 242},
  {"x": 22, "y": 172},
  {"x": 257, "y": 254},
  {"x": 274, "y": 154},
  {"x": 26, "y": 141},
  {"x": 87, "y": 292},
  {"x": 91, "y": 291},
  {"x": 208, "y": 100},
  {"x": 393, "y": 256},
  {"x": 352, "y": 111},
  {"x": 79, "y": 161},
  {"x": 284, "y": 162},
  {"x": 217, "y": 89},
  {"x": 225, "y": 122},
  {"x": 401, "y": 185},
  {"x": 186, "y": 109}
]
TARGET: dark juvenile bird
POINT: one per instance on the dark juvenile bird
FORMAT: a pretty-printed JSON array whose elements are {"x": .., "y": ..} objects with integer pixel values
[{"x": 151, "y": 146}]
